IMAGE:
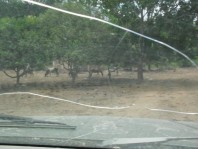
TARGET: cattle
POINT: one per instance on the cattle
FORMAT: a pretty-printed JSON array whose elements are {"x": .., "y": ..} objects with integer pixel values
[
  {"x": 51, "y": 70},
  {"x": 94, "y": 69}
]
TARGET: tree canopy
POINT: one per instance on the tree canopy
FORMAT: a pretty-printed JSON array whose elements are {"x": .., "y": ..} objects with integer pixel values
[{"x": 36, "y": 36}]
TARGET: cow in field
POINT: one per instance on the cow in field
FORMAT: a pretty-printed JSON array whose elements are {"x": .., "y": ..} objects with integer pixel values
[
  {"x": 51, "y": 70},
  {"x": 94, "y": 69}
]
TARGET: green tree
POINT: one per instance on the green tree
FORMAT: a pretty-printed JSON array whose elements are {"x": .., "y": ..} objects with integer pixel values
[
  {"x": 177, "y": 25},
  {"x": 76, "y": 41},
  {"x": 171, "y": 21},
  {"x": 18, "y": 8},
  {"x": 139, "y": 15},
  {"x": 19, "y": 45}
]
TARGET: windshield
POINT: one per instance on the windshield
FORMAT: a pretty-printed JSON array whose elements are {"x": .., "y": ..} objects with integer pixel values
[{"x": 126, "y": 59}]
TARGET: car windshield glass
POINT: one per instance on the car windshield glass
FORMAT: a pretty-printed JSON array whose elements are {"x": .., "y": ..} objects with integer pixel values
[{"x": 80, "y": 58}]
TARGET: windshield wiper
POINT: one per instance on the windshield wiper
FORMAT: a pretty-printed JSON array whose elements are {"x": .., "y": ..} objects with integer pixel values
[{"x": 24, "y": 122}]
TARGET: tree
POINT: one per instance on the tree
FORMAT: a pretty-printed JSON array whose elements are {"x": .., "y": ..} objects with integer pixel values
[
  {"x": 169, "y": 21},
  {"x": 18, "y": 8},
  {"x": 139, "y": 15},
  {"x": 76, "y": 41},
  {"x": 177, "y": 25},
  {"x": 19, "y": 45}
]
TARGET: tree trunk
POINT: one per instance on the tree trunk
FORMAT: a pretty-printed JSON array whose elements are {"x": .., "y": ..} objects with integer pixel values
[
  {"x": 140, "y": 61},
  {"x": 17, "y": 76},
  {"x": 149, "y": 67},
  {"x": 140, "y": 70},
  {"x": 141, "y": 51}
]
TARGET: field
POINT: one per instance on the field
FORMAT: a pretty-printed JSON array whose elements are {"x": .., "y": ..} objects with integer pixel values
[{"x": 168, "y": 94}]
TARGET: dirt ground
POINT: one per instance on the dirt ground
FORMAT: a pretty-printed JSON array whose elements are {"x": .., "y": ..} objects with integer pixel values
[{"x": 163, "y": 95}]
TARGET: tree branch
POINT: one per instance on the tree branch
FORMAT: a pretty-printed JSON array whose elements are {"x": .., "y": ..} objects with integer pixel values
[
  {"x": 20, "y": 75},
  {"x": 9, "y": 75}
]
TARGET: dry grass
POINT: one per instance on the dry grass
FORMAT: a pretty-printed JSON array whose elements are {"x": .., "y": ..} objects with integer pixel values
[{"x": 161, "y": 90}]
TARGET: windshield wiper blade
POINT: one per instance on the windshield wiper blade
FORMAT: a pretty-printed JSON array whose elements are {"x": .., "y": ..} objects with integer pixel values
[{"x": 25, "y": 122}]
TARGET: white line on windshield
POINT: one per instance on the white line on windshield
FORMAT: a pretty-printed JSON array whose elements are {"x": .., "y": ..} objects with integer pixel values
[{"x": 61, "y": 99}]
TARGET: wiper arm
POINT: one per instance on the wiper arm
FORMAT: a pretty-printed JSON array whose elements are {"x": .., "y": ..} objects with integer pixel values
[{"x": 18, "y": 121}]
